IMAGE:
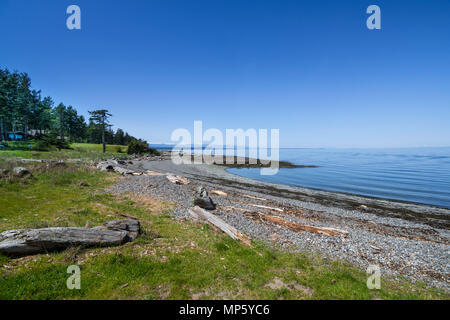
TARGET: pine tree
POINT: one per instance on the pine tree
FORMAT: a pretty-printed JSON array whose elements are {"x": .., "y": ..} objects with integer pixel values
[{"x": 101, "y": 118}]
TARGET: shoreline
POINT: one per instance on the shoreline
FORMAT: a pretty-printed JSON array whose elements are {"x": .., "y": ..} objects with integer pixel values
[
  {"x": 403, "y": 238},
  {"x": 368, "y": 197}
]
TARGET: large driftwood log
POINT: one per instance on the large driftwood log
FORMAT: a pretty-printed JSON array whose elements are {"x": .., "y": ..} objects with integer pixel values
[
  {"x": 289, "y": 224},
  {"x": 33, "y": 241},
  {"x": 303, "y": 227},
  {"x": 112, "y": 166},
  {"x": 265, "y": 207},
  {"x": 202, "y": 215}
]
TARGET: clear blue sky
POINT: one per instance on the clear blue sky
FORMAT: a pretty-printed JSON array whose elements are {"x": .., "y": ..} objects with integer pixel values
[{"x": 309, "y": 68}]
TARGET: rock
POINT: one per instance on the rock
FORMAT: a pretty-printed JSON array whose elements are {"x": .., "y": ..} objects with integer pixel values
[
  {"x": 21, "y": 172},
  {"x": 34, "y": 241},
  {"x": 203, "y": 200},
  {"x": 57, "y": 165}
]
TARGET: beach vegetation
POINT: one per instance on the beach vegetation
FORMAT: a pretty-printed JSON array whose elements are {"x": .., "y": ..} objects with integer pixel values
[{"x": 171, "y": 259}]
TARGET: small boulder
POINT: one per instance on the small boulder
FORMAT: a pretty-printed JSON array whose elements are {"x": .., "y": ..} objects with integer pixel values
[
  {"x": 202, "y": 199},
  {"x": 21, "y": 172},
  {"x": 57, "y": 165}
]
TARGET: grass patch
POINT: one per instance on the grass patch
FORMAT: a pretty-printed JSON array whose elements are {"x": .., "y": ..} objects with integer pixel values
[
  {"x": 78, "y": 151},
  {"x": 171, "y": 259}
]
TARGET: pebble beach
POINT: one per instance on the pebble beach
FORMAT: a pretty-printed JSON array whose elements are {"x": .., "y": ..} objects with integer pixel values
[{"x": 403, "y": 239}]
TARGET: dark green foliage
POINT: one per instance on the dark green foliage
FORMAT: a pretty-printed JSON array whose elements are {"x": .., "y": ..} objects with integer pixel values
[
  {"x": 101, "y": 119},
  {"x": 138, "y": 147},
  {"x": 24, "y": 111},
  {"x": 49, "y": 142},
  {"x": 154, "y": 152}
]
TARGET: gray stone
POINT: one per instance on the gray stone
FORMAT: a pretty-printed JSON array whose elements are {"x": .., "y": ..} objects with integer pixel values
[
  {"x": 21, "y": 172},
  {"x": 202, "y": 199}
]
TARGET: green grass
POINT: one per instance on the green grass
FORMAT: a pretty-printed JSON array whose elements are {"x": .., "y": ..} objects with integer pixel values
[
  {"x": 79, "y": 151},
  {"x": 171, "y": 259}
]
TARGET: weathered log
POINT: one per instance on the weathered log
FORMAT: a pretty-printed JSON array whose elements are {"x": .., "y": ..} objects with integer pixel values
[
  {"x": 33, "y": 241},
  {"x": 105, "y": 166},
  {"x": 153, "y": 173},
  {"x": 112, "y": 166},
  {"x": 219, "y": 193},
  {"x": 252, "y": 197},
  {"x": 178, "y": 179},
  {"x": 33, "y": 160},
  {"x": 303, "y": 227},
  {"x": 291, "y": 225},
  {"x": 202, "y": 215},
  {"x": 265, "y": 207},
  {"x": 122, "y": 171}
]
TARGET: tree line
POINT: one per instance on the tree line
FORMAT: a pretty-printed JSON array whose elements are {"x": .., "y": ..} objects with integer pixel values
[{"x": 23, "y": 110}]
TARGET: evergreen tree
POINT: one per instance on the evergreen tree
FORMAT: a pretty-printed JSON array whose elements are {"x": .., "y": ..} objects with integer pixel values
[{"x": 101, "y": 119}]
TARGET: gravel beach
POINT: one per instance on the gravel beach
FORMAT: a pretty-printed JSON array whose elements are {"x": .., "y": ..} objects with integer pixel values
[{"x": 406, "y": 239}]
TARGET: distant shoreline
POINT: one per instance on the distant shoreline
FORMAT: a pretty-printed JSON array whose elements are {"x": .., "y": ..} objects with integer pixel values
[{"x": 246, "y": 162}]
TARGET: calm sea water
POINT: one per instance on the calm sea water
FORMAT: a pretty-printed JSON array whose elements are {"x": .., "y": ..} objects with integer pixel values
[{"x": 412, "y": 174}]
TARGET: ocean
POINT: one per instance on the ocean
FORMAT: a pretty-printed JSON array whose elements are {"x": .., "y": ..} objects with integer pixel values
[{"x": 420, "y": 175}]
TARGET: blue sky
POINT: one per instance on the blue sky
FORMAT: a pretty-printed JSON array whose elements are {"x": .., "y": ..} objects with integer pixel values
[{"x": 309, "y": 68}]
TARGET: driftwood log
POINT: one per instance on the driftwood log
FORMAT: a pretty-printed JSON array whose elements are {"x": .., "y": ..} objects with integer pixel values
[
  {"x": 303, "y": 227},
  {"x": 177, "y": 179},
  {"x": 153, "y": 173},
  {"x": 253, "y": 197},
  {"x": 199, "y": 214},
  {"x": 265, "y": 207},
  {"x": 219, "y": 193},
  {"x": 33, "y": 241},
  {"x": 289, "y": 224}
]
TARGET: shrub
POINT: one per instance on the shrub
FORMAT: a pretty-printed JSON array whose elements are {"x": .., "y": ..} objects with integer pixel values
[
  {"x": 119, "y": 149},
  {"x": 40, "y": 146},
  {"x": 154, "y": 152},
  {"x": 138, "y": 147},
  {"x": 52, "y": 140}
]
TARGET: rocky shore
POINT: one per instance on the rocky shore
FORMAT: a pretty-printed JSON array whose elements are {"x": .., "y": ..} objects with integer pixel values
[{"x": 406, "y": 239}]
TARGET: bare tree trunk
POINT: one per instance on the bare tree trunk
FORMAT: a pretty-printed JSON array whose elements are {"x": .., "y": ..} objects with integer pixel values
[
  {"x": 103, "y": 136},
  {"x": 14, "y": 130},
  {"x": 2, "y": 136},
  {"x": 25, "y": 131}
]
